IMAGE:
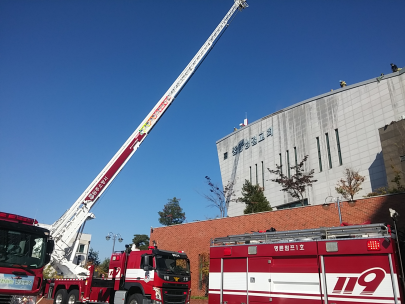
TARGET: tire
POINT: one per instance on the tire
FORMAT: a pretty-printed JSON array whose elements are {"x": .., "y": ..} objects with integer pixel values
[
  {"x": 60, "y": 297},
  {"x": 135, "y": 299},
  {"x": 73, "y": 297}
]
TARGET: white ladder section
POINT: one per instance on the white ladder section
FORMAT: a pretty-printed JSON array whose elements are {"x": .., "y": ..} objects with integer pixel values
[
  {"x": 65, "y": 228},
  {"x": 344, "y": 232}
]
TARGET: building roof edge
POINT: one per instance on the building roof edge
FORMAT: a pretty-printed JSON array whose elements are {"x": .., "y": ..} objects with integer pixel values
[{"x": 349, "y": 87}]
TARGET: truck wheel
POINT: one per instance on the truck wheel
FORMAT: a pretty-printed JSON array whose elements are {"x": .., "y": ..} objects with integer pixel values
[
  {"x": 135, "y": 299},
  {"x": 73, "y": 297},
  {"x": 60, "y": 297}
]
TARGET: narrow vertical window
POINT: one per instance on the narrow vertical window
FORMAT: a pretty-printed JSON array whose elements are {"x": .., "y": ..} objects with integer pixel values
[
  {"x": 250, "y": 174},
  {"x": 257, "y": 181},
  {"x": 338, "y": 147},
  {"x": 328, "y": 147},
  {"x": 295, "y": 156},
  {"x": 263, "y": 175},
  {"x": 281, "y": 164},
  {"x": 288, "y": 164},
  {"x": 81, "y": 248},
  {"x": 319, "y": 154}
]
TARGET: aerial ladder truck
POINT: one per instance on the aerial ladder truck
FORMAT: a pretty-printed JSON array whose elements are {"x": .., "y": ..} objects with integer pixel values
[
  {"x": 66, "y": 228},
  {"x": 135, "y": 277}
]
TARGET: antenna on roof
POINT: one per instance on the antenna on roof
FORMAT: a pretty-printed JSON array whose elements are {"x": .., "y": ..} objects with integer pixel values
[{"x": 245, "y": 121}]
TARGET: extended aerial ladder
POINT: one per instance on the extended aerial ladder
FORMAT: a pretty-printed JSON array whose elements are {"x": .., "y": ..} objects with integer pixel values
[{"x": 65, "y": 228}]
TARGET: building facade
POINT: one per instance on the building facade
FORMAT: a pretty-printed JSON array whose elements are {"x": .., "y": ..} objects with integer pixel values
[
  {"x": 337, "y": 130},
  {"x": 393, "y": 146},
  {"x": 83, "y": 248}
]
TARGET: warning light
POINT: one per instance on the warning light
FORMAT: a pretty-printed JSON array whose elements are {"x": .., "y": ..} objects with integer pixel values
[
  {"x": 227, "y": 251},
  {"x": 17, "y": 218},
  {"x": 373, "y": 245},
  {"x": 116, "y": 257}
]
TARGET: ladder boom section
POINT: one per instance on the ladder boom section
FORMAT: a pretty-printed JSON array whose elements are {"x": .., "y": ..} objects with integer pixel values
[
  {"x": 64, "y": 228},
  {"x": 355, "y": 231}
]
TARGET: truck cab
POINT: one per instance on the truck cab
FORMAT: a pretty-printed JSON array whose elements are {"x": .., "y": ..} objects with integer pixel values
[
  {"x": 152, "y": 276},
  {"x": 25, "y": 249}
]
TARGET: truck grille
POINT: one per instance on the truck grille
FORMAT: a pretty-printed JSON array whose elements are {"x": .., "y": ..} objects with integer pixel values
[
  {"x": 174, "y": 296},
  {"x": 5, "y": 299},
  {"x": 174, "y": 285}
]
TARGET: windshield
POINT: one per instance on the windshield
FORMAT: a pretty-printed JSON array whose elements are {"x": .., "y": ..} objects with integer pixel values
[
  {"x": 172, "y": 264},
  {"x": 21, "y": 249}
]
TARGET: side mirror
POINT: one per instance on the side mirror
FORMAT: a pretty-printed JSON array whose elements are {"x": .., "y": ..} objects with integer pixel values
[
  {"x": 49, "y": 249},
  {"x": 146, "y": 265}
]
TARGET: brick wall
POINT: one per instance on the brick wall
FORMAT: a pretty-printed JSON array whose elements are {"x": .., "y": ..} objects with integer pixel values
[{"x": 194, "y": 238}]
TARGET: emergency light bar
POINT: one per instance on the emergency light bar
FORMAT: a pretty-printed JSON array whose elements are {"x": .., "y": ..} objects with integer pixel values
[{"x": 17, "y": 218}]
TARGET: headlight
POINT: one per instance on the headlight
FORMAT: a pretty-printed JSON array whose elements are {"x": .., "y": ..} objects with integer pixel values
[
  {"x": 158, "y": 295},
  {"x": 18, "y": 299}
]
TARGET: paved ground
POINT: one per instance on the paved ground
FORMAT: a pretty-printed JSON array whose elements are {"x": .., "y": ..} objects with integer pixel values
[{"x": 193, "y": 301}]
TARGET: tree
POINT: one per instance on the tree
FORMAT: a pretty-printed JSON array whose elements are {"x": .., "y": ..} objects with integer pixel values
[
  {"x": 103, "y": 268},
  {"x": 397, "y": 181},
  {"x": 253, "y": 197},
  {"x": 219, "y": 198},
  {"x": 141, "y": 241},
  {"x": 172, "y": 213},
  {"x": 350, "y": 184},
  {"x": 204, "y": 269},
  {"x": 398, "y": 188},
  {"x": 50, "y": 273},
  {"x": 296, "y": 184},
  {"x": 93, "y": 258}
]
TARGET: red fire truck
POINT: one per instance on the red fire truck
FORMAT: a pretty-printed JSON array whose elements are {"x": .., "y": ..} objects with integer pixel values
[
  {"x": 339, "y": 265},
  {"x": 135, "y": 277},
  {"x": 25, "y": 249}
]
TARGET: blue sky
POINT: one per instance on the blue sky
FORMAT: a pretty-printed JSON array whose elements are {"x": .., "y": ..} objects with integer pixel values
[{"x": 77, "y": 77}]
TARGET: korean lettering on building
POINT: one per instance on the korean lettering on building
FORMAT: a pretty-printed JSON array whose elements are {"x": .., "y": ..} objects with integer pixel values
[{"x": 246, "y": 143}]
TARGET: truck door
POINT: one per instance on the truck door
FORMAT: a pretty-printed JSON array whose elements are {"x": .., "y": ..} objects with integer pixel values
[
  {"x": 259, "y": 279},
  {"x": 234, "y": 280},
  {"x": 295, "y": 274}
]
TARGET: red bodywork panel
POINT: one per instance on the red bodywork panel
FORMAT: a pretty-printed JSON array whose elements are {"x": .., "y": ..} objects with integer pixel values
[
  {"x": 105, "y": 179},
  {"x": 37, "y": 277},
  {"x": 343, "y": 272}
]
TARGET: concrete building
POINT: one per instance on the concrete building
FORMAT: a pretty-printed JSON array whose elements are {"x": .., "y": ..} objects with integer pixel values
[
  {"x": 83, "y": 248},
  {"x": 393, "y": 146},
  {"x": 337, "y": 130}
]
